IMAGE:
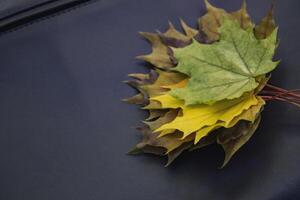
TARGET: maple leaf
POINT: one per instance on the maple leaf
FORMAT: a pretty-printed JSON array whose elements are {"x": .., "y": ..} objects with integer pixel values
[
  {"x": 249, "y": 115},
  {"x": 161, "y": 56},
  {"x": 234, "y": 138},
  {"x": 213, "y": 19},
  {"x": 166, "y": 118},
  {"x": 174, "y": 38},
  {"x": 207, "y": 140},
  {"x": 166, "y": 79},
  {"x": 160, "y": 52},
  {"x": 225, "y": 69},
  {"x": 176, "y": 152},
  {"x": 170, "y": 145},
  {"x": 266, "y": 26},
  {"x": 189, "y": 31},
  {"x": 151, "y": 84},
  {"x": 142, "y": 98},
  {"x": 208, "y": 117},
  {"x": 168, "y": 142},
  {"x": 155, "y": 114}
]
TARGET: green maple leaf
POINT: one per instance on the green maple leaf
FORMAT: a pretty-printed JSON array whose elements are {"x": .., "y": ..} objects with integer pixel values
[{"x": 227, "y": 68}]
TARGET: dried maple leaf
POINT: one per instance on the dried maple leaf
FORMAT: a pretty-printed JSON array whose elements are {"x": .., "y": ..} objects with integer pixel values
[
  {"x": 234, "y": 138},
  {"x": 170, "y": 145},
  {"x": 160, "y": 52},
  {"x": 212, "y": 20},
  {"x": 266, "y": 26}
]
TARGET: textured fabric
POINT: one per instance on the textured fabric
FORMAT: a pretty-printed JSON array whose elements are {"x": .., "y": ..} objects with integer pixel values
[{"x": 64, "y": 132}]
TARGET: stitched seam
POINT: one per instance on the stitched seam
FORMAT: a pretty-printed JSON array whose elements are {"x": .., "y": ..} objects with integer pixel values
[
  {"x": 14, "y": 10},
  {"x": 48, "y": 17}
]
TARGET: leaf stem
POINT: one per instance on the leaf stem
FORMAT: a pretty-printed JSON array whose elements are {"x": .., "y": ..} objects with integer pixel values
[
  {"x": 278, "y": 89},
  {"x": 271, "y": 92}
]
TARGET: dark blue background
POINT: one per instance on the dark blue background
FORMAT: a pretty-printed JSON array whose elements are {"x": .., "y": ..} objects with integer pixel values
[{"x": 64, "y": 131}]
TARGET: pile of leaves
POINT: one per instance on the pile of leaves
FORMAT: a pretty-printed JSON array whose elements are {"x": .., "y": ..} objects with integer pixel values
[{"x": 207, "y": 85}]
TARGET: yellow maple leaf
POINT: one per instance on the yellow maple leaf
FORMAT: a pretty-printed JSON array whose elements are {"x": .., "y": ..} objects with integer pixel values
[
  {"x": 202, "y": 116},
  {"x": 247, "y": 115}
]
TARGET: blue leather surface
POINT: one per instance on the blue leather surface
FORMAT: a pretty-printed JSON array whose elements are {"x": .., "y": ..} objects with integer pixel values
[{"x": 64, "y": 131}]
